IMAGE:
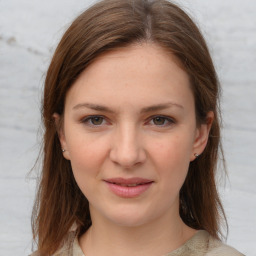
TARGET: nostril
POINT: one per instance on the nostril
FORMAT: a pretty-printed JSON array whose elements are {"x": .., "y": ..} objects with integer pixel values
[{"x": 126, "y": 149}]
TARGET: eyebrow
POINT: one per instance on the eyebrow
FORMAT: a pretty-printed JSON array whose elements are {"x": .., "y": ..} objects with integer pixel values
[
  {"x": 93, "y": 106},
  {"x": 143, "y": 110},
  {"x": 160, "y": 107}
]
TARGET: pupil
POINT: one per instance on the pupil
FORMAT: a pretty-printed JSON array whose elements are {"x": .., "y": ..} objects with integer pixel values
[
  {"x": 97, "y": 120},
  {"x": 159, "y": 120}
]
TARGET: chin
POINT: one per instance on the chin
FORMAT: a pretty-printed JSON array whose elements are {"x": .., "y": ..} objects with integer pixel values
[
  {"x": 128, "y": 222},
  {"x": 130, "y": 218}
]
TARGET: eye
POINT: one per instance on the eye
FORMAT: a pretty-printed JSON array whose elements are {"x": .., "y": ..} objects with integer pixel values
[
  {"x": 97, "y": 120},
  {"x": 161, "y": 121},
  {"x": 94, "y": 120}
]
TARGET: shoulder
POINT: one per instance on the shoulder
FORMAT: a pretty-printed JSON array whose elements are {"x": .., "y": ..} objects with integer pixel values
[
  {"x": 217, "y": 248},
  {"x": 67, "y": 248},
  {"x": 70, "y": 246},
  {"x": 202, "y": 244}
]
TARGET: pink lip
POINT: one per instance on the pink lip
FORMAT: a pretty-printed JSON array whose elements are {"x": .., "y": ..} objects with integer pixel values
[{"x": 126, "y": 187}]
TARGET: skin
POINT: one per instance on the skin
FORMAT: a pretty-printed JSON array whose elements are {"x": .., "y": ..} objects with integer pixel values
[{"x": 132, "y": 139}]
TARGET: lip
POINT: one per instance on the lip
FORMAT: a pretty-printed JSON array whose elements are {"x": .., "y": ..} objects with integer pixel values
[{"x": 128, "y": 188}]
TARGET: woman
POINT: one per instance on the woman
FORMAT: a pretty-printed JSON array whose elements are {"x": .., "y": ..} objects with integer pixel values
[{"x": 132, "y": 137}]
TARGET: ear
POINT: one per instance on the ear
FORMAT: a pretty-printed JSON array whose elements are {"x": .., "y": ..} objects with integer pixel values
[
  {"x": 61, "y": 134},
  {"x": 201, "y": 136}
]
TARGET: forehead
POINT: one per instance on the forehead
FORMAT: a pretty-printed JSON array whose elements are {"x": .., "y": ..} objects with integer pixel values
[
  {"x": 146, "y": 55},
  {"x": 141, "y": 73}
]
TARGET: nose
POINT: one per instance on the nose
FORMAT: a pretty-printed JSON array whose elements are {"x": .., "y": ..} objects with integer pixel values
[{"x": 127, "y": 147}]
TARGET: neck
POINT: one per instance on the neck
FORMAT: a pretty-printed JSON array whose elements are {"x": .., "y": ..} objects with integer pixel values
[{"x": 157, "y": 238}]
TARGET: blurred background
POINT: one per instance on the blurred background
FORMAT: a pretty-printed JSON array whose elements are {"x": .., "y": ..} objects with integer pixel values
[{"x": 29, "y": 32}]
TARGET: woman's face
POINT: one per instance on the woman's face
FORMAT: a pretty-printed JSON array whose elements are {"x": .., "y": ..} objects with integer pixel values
[{"x": 130, "y": 133}]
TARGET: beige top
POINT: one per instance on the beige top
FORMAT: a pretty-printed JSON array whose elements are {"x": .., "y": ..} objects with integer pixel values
[{"x": 200, "y": 244}]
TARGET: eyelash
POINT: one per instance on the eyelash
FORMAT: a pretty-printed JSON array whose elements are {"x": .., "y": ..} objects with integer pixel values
[
  {"x": 88, "y": 120},
  {"x": 167, "y": 121}
]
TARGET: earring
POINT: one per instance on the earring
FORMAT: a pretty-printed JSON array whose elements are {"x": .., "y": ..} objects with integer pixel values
[
  {"x": 63, "y": 150},
  {"x": 196, "y": 155}
]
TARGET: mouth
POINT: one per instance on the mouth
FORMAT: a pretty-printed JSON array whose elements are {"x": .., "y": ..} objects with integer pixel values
[
  {"x": 129, "y": 185},
  {"x": 128, "y": 188}
]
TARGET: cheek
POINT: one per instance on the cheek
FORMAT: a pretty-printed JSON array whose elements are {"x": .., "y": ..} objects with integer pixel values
[
  {"x": 86, "y": 153},
  {"x": 86, "y": 160},
  {"x": 171, "y": 158},
  {"x": 173, "y": 149}
]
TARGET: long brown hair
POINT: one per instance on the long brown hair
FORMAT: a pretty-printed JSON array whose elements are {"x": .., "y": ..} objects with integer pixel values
[{"x": 107, "y": 25}]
